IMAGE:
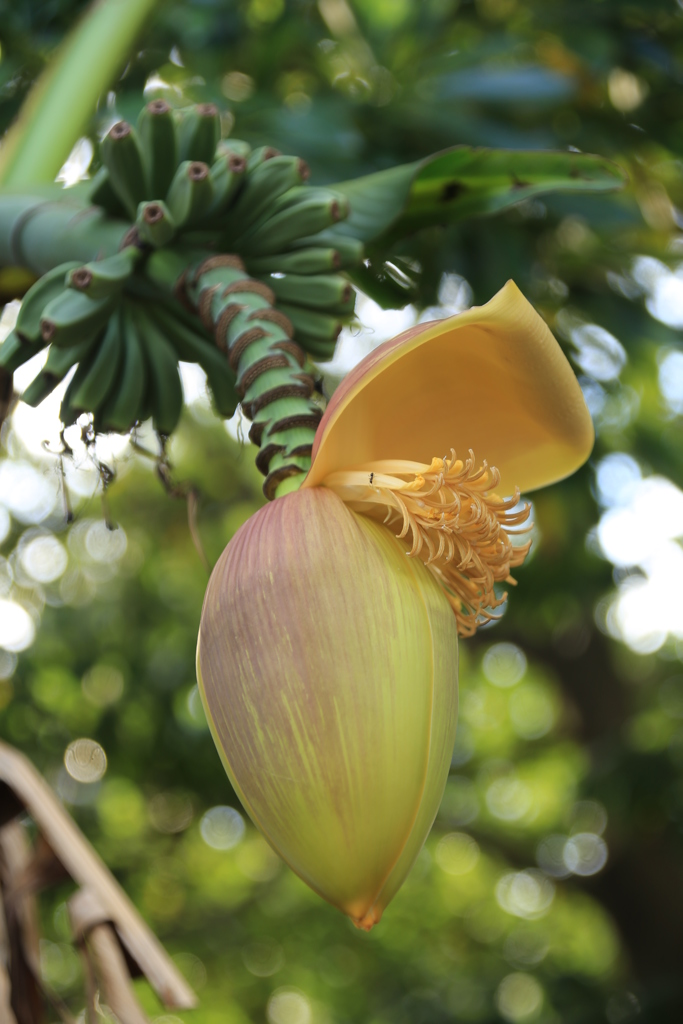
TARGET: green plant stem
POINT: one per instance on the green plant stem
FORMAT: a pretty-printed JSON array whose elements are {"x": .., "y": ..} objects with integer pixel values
[
  {"x": 271, "y": 379},
  {"x": 40, "y": 233}
]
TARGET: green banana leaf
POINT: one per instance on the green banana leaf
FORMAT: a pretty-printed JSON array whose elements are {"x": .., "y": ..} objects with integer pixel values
[
  {"x": 63, "y": 100},
  {"x": 465, "y": 182}
]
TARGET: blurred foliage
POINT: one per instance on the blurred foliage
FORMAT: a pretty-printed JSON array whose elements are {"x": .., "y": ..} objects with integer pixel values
[{"x": 551, "y": 889}]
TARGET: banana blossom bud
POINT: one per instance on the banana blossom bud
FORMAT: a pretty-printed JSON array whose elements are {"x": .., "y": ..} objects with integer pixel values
[{"x": 327, "y": 658}]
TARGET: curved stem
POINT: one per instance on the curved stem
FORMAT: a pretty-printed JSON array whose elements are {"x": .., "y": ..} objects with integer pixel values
[
  {"x": 41, "y": 233},
  {"x": 270, "y": 367}
]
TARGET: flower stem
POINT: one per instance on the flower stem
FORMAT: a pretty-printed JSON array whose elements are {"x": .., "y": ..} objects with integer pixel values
[{"x": 271, "y": 369}]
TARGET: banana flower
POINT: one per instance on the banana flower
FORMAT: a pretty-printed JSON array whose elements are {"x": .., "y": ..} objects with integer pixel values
[{"x": 328, "y": 647}]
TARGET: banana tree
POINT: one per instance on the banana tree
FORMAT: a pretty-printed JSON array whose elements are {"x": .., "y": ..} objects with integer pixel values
[{"x": 188, "y": 246}]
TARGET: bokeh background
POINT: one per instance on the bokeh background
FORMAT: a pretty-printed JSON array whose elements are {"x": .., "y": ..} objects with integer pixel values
[{"x": 551, "y": 888}]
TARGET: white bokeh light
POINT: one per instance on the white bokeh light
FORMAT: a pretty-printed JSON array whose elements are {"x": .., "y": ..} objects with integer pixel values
[
  {"x": 671, "y": 381},
  {"x": 76, "y": 166},
  {"x": 631, "y": 534},
  {"x": 528, "y": 894},
  {"x": 222, "y": 828},
  {"x": 599, "y": 353},
  {"x": 665, "y": 302},
  {"x": 17, "y": 630},
  {"x": 26, "y": 492},
  {"x": 5, "y": 523},
  {"x": 642, "y": 531},
  {"x": 44, "y": 558}
]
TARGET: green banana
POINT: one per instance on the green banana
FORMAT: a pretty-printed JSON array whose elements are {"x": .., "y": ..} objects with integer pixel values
[
  {"x": 122, "y": 156},
  {"x": 266, "y": 183},
  {"x": 302, "y": 261},
  {"x": 199, "y": 129},
  {"x": 311, "y": 323},
  {"x": 351, "y": 251},
  {"x": 260, "y": 155},
  {"x": 59, "y": 362},
  {"x": 103, "y": 278},
  {"x": 40, "y": 387},
  {"x": 236, "y": 146},
  {"x": 317, "y": 347},
  {"x": 96, "y": 375},
  {"x": 159, "y": 141},
  {"x": 164, "y": 389},
  {"x": 227, "y": 175},
  {"x": 300, "y": 193},
  {"x": 154, "y": 223},
  {"x": 190, "y": 193},
  {"x": 318, "y": 291},
  {"x": 73, "y": 316},
  {"x": 101, "y": 193},
  {"x": 15, "y": 351},
  {"x": 46, "y": 288},
  {"x": 306, "y": 217},
  {"x": 193, "y": 348},
  {"x": 123, "y": 406}
]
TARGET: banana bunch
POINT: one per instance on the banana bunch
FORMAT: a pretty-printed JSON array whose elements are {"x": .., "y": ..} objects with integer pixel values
[
  {"x": 125, "y": 349},
  {"x": 185, "y": 197},
  {"x": 179, "y": 180}
]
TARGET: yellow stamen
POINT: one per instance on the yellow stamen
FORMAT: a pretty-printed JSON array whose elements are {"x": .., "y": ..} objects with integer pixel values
[{"x": 452, "y": 519}]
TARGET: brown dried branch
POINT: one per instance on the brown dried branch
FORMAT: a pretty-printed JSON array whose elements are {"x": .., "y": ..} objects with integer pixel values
[
  {"x": 106, "y": 967},
  {"x": 21, "y": 918},
  {"x": 83, "y": 865}
]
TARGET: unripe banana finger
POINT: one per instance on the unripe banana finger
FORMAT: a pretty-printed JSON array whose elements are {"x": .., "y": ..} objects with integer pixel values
[
  {"x": 73, "y": 316},
  {"x": 306, "y": 217},
  {"x": 227, "y": 176},
  {"x": 96, "y": 375},
  {"x": 192, "y": 348},
  {"x": 101, "y": 279},
  {"x": 122, "y": 156},
  {"x": 164, "y": 389},
  {"x": 15, "y": 351},
  {"x": 301, "y": 193},
  {"x": 57, "y": 365},
  {"x": 199, "y": 129},
  {"x": 101, "y": 193},
  {"x": 42, "y": 385},
  {"x": 351, "y": 251},
  {"x": 154, "y": 223},
  {"x": 319, "y": 291},
  {"x": 39, "y": 295},
  {"x": 124, "y": 404},
  {"x": 159, "y": 140},
  {"x": 312, "y": 323},
  {"x": 59, "y": 362},
  {"x": 321, "y": 349},
  {"x": 237, "y": 147},
  {"x": 190, "y": 194},
  {"x": 260, "y": 155},
  {"x": 263, "y": 186},
  {"x": 303, "y": 261}
]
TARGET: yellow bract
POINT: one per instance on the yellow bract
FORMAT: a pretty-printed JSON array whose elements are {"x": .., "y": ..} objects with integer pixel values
[{"x": 493, "y": 379}]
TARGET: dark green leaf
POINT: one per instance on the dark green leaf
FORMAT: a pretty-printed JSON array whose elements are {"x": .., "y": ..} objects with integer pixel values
[{"x": 465, "y": 182}]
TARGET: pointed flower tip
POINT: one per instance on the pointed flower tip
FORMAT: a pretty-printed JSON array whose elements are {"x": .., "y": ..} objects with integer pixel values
[
  {"x": 492, "y": 379},
  {"x": 368, "y": 922}
]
